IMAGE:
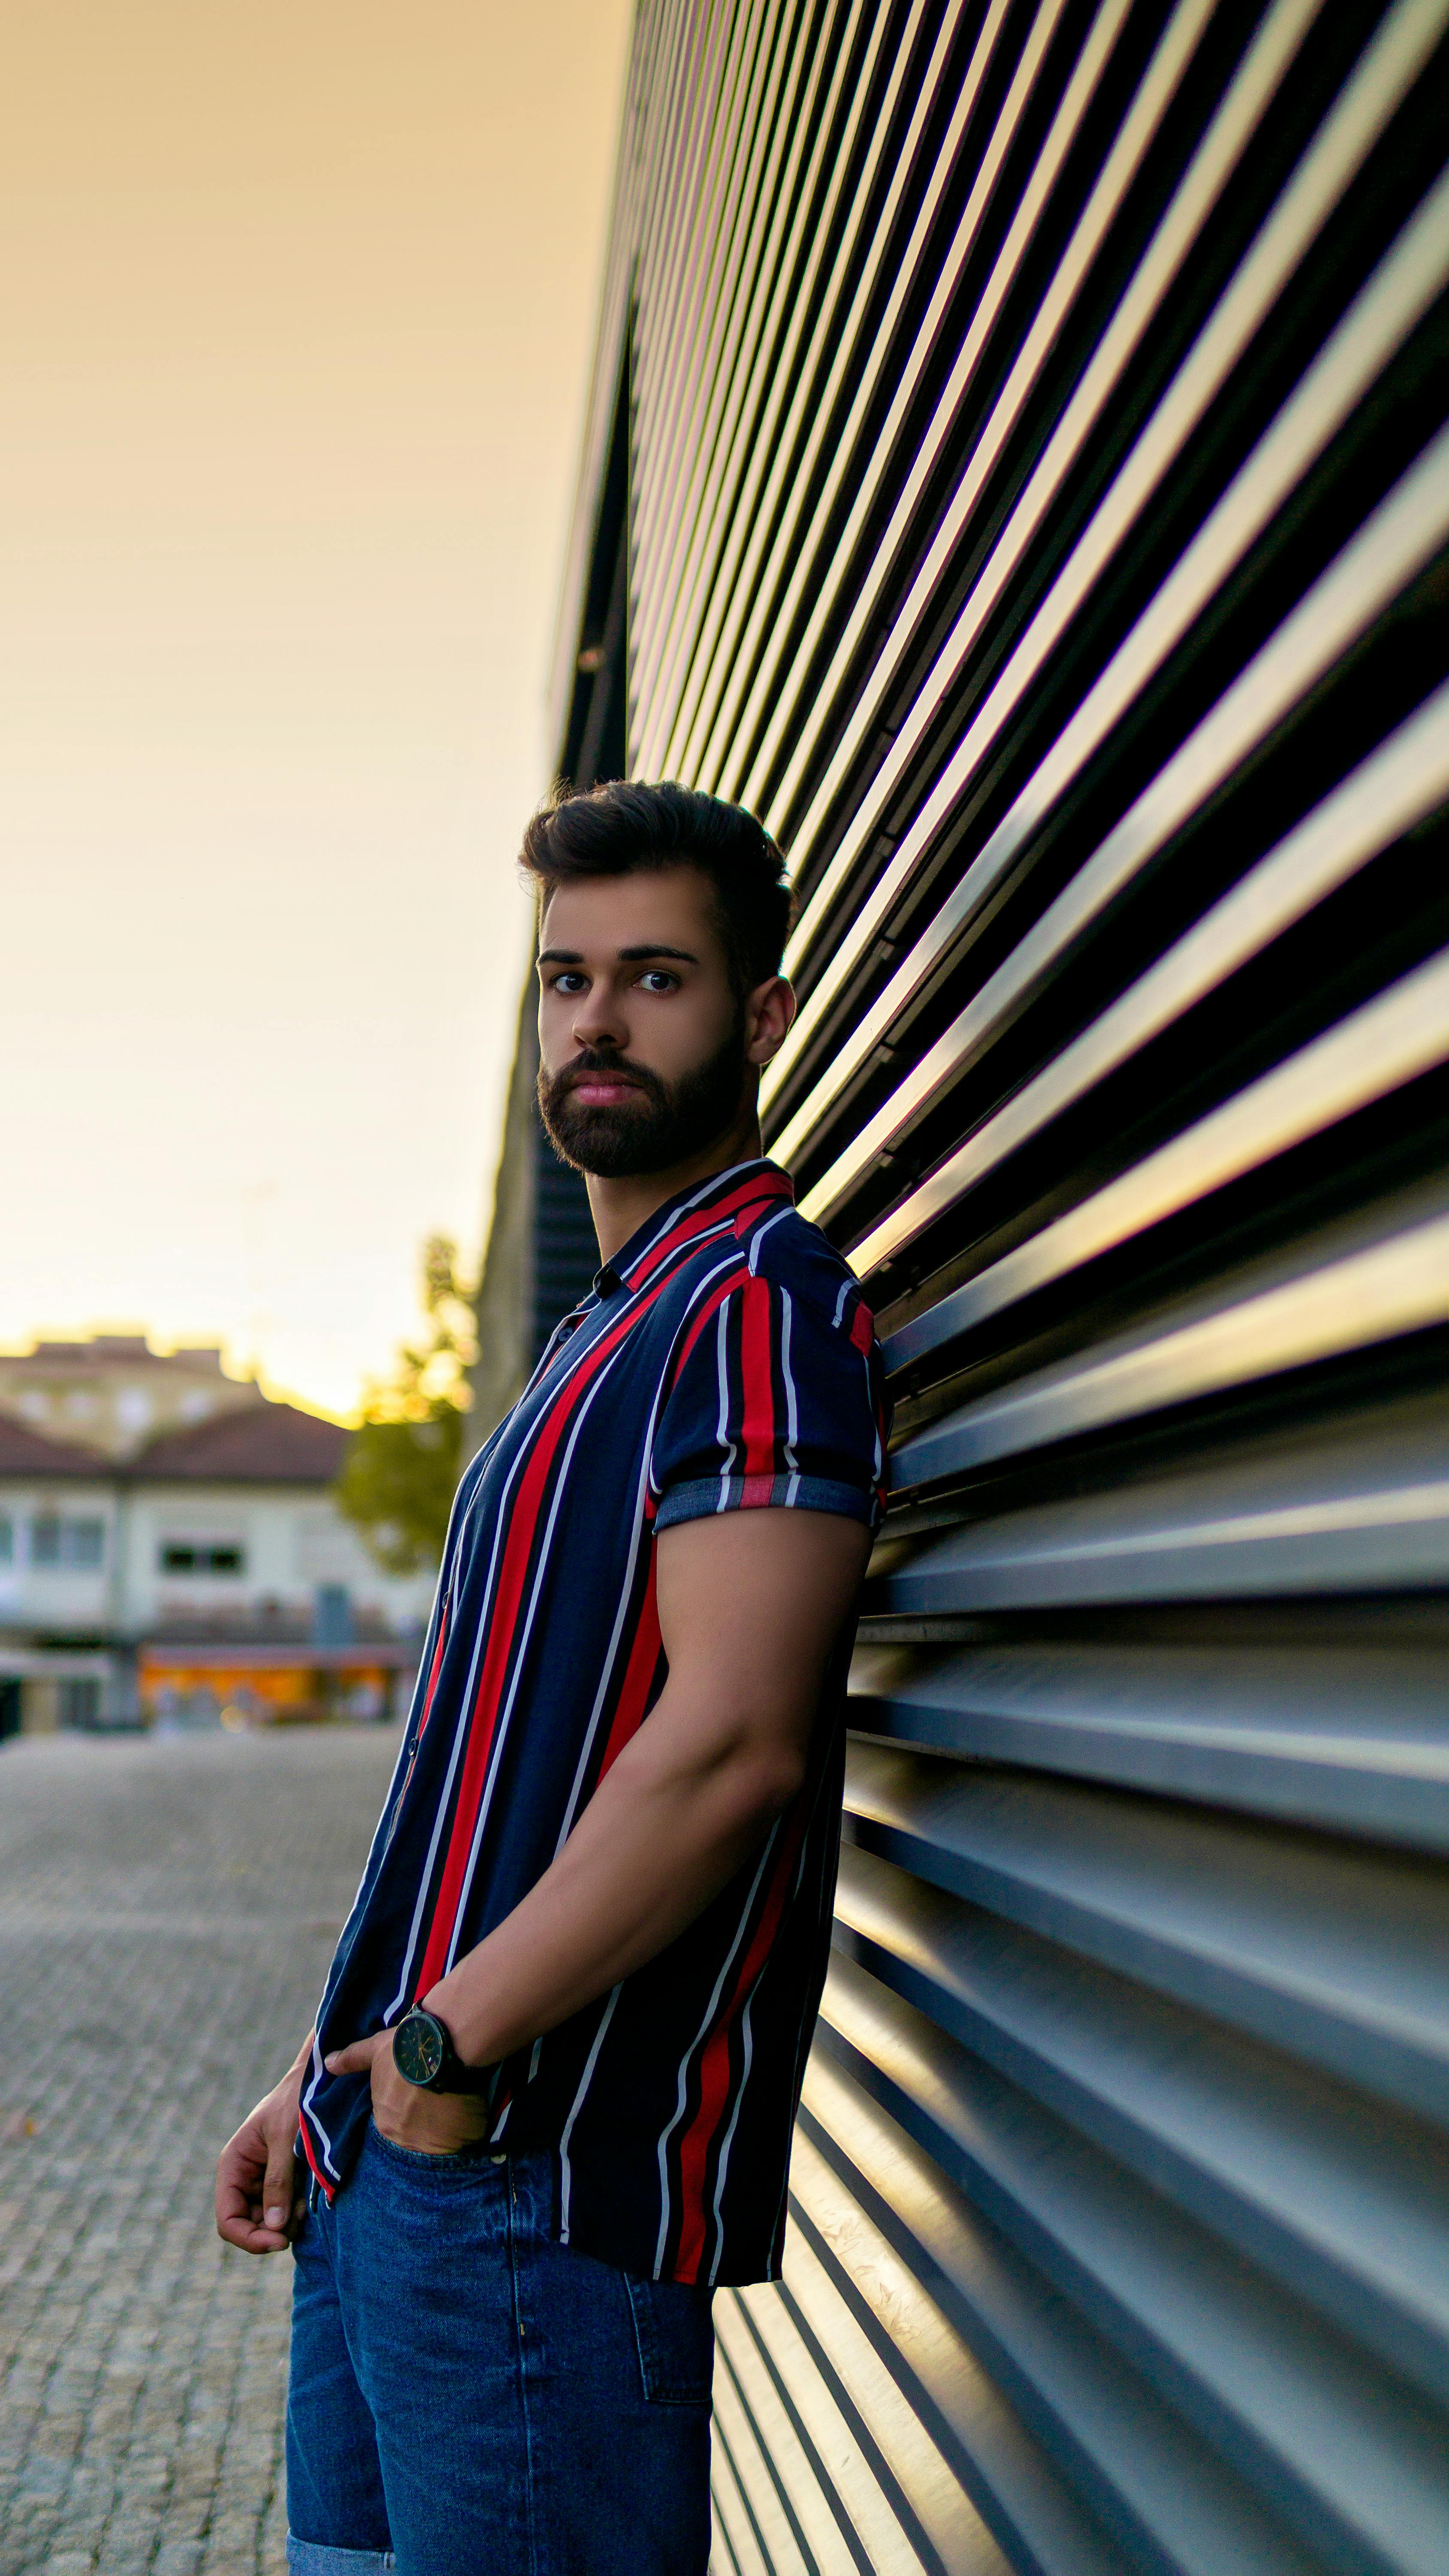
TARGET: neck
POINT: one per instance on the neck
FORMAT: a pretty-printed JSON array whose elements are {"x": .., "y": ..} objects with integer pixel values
[{"x": 620, "y": 1207}]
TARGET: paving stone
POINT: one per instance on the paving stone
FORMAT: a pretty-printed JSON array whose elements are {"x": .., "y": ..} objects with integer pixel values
[{"x": 167, "y": 1911}]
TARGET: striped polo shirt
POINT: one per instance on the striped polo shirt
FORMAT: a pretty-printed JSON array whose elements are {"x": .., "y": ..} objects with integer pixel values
[{"x": 725, "y": 1361}]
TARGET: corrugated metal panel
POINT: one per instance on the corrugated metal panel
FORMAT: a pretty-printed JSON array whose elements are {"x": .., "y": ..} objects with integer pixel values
[{"x": 1038, "y": 513}]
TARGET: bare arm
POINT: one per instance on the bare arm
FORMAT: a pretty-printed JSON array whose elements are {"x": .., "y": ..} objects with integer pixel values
[{"x": 751, "y": 1607}]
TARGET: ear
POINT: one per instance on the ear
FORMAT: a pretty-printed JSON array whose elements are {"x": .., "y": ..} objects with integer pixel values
[{"x": 769, "y": 1009}]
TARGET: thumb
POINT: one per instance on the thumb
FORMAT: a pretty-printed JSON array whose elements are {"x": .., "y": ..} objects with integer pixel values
[
  {"x": 355, "y": 2059},
  {"x": 279, "y": 2188}
]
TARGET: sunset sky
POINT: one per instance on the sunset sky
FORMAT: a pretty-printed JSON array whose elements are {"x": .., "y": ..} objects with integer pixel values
[{"x": 296, "y": 313}]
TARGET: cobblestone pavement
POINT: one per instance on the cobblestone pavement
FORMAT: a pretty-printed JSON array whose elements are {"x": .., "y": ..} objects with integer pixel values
[{"x": 167, "y": 1912}]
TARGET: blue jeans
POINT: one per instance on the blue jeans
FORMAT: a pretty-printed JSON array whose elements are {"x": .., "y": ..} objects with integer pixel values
[{"x": 468, "y": 2398}]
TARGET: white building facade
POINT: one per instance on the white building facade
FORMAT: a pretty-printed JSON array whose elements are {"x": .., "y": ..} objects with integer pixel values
[{"x": 195, "y": 1573}]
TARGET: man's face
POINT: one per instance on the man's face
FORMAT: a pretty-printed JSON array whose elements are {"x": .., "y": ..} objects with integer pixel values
[{"x": 646, "y": 1052}]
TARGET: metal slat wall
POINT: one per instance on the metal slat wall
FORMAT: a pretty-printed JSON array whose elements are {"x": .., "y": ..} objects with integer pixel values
[{"x": 1038, "y": 514}]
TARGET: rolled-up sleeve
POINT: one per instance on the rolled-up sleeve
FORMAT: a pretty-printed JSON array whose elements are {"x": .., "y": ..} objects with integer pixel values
[{"x": 774, "y": 1404}]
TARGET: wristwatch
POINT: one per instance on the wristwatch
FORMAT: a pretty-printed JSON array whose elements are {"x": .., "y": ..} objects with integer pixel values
[{"x": 423, "y": 2053}]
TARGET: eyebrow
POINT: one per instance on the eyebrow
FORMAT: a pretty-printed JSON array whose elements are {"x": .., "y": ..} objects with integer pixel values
[{"x": 626, "y": 956}]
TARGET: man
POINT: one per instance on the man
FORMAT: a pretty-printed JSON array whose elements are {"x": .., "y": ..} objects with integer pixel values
[{"x": 549, "y": 2100}]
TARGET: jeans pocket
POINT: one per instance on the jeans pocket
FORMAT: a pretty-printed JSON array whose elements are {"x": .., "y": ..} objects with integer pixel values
[
  {"x": 478, "y": 2161},
  {"x": 675, "y": 2337}
]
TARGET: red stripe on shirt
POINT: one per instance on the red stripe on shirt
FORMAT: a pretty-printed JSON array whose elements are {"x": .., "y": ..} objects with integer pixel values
[
  {"x": 759, "y": 1190},
  {"x": 502, "y": 1640},
  {"x": 318, "y": 2176},
  {"x": 757, "y": 1380},
  {"x": 639, "y": 1675},
  {"x": 707, "y": 1311},
  {"x": 714, "y": 2069}
]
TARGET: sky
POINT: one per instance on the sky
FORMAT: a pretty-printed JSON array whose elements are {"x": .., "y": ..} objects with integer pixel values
[{"x": 297, "y": 307}]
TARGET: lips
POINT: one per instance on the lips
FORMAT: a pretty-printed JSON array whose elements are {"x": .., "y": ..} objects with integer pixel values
[{"x": 603, "y": 1090}]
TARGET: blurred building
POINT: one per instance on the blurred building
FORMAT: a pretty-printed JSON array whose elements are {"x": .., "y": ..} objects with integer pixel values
[
  {"x": 170, "y": 1550},
  {"x": 112, "y": 1392}
]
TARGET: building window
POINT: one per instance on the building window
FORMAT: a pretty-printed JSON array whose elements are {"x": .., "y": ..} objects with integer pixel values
[
  {"x": 80, "y": 1702},
  {"x": 202, "y": 1556},
  {"x": 78, "y": 1544}
]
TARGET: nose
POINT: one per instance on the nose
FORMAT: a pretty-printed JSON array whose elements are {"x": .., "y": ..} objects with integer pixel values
[{"x": 599, "y": 1018}]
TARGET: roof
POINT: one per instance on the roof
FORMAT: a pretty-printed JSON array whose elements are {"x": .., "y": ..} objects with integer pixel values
[
  {"x": 24, "y": 1452},
  {"x": 264, "y": 1444},
  {"x": 100, "y": 1351}
]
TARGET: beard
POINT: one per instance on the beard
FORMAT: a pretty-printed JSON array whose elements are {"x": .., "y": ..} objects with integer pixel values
[{"x": 670, "y": 1123}]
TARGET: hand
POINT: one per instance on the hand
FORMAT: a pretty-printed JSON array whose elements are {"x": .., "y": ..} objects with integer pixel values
[
  {"x": 261, "y": 2182},
  {"x": 432, "y": 2124}
]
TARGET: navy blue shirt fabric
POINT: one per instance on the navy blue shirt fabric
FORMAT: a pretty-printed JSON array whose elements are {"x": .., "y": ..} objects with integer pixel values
[{"x": 725, "y": 1361}]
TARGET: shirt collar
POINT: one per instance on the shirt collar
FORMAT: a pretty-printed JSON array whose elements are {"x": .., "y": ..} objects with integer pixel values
[{"x": 704, "y": 1204}]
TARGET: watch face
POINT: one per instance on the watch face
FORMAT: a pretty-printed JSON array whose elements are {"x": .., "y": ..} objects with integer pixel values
[{"x": 417, "y": 2048}]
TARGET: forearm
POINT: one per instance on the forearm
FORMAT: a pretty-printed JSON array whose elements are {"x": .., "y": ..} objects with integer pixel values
[{"x": 663, "y": 1833}]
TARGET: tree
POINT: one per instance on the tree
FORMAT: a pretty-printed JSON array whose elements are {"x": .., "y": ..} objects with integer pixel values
[{"x": 401, "y": 1470}]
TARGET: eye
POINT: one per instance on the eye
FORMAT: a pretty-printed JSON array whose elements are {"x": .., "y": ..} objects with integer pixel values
[
  {"x": 568, "y": 980},
  {"x": 657, "y": 979}
]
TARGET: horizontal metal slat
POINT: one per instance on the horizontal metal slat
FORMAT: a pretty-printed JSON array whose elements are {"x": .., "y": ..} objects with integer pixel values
[
  {"x": 767, "y": 2462},
  {"x": 664, "y": 628},
  {"x": 1334, "y": 2194},
  {"x": 707, "y": 240},
  {"x": 734, "y": 2538},
  {"x": 1249, "y": 95},
  {"x": 672, "y": 632},
  {"x": 724, "y": 2559},
  {"x": 764, "y": 458},
  {"x": 843, "y": 2511},
  {"x": 1333, "y": 1307},
  {"x": 863, "y": 606},
  {"x": 879, "y": 2397},
  {"x": 1168, "y": 2501},
  {"x": 1352, "y": 1738},
  {"x": 767, "y": 712},
  {"x": 1400, "y": 783},
  {"x": 709, "y": 754},
  {"x": 1333, "y": 1952},
  {"x": 1387, "y": 1042},
  {"x": 1302, "y": 2417},
  {"x": 669, "y": 236},
  {"x": 1380, "y": 561},
  {"x": 1256, "y": 493},
  {"x": 674, "y": 600},
  {"x": 987, "y": 2463},
  {"x": 1363, "y": 1511}
]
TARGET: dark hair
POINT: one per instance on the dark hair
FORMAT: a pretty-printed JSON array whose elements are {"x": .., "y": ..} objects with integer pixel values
[{"x": 624, "y": 826}]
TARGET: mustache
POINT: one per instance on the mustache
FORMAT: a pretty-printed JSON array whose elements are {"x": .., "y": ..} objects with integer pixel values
[{"x": 595, "y": 1060}]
